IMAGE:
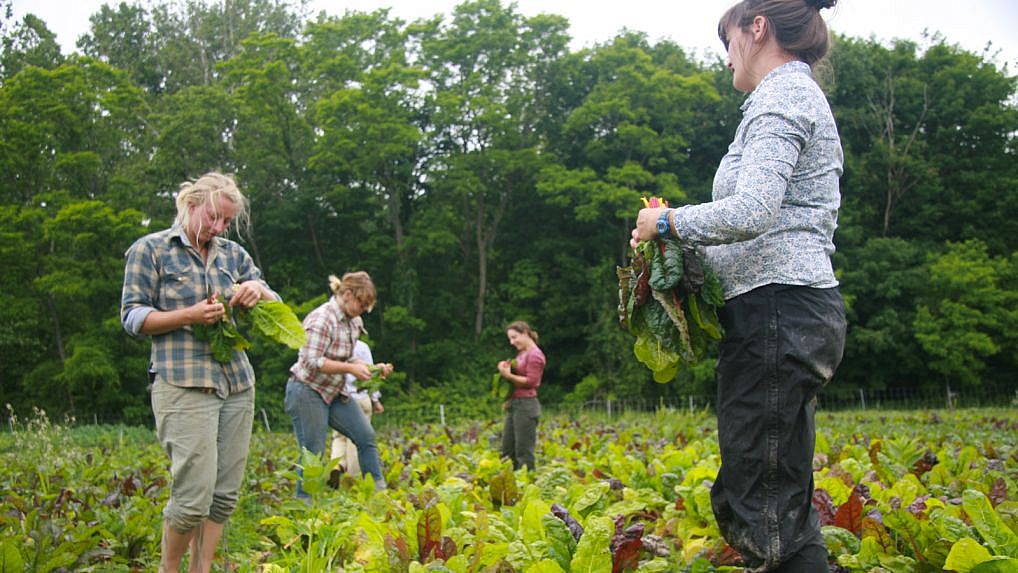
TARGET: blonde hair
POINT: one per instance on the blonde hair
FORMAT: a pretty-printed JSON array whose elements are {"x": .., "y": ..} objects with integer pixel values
[
  {"x": 205, "y": 191},
  {"x": 523, "y": 328},
  {"x": 359, "y": 283}
]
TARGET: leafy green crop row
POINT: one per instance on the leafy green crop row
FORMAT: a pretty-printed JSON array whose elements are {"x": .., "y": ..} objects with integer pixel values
[{"x": 897, "y": 492}]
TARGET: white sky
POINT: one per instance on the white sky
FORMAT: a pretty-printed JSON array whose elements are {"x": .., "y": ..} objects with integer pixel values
[{"x": 690, "y": 23}]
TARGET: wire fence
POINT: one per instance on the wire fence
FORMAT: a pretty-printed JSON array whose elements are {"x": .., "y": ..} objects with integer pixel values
[
  {"x": 458, "y": 413},
  {"x": 831, "y": 400}
]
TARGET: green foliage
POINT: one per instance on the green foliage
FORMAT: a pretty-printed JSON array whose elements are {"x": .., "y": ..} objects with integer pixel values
[
  {"x": 481, "y": 171},
  {"x": 274, "y": 320},
  {"x": 29, "y": 43},
  {"x": 271, "y": 319},
  {"x": 968, "y": 316},
  {"x": 452, "y": 504},
  {"x": 668, "y": 298},
  {"x": 223, "y": 337}
]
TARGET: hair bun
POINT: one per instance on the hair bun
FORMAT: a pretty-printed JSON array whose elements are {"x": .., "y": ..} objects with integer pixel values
[{"x": 821, "y": 4}]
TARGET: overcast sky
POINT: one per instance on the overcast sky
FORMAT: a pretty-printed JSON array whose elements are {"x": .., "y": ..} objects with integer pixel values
[{"x": 690, "y": 23}]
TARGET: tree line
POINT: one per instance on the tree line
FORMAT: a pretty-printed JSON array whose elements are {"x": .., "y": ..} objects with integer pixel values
[{"x": 481, "y": 171}]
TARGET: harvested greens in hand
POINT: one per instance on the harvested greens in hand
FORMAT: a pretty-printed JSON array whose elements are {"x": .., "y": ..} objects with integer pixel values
[
  {"x": 373, "y": 384},
  {"x": 497, "y": 382},
  {"x": 668, "y": 299},
  {"x": 273, "y": 319}
]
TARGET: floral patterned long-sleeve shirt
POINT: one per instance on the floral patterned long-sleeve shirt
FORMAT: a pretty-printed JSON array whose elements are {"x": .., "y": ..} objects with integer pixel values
[
  {"x": 776, "y": 193},
  {"x": 331, "y": 334}
]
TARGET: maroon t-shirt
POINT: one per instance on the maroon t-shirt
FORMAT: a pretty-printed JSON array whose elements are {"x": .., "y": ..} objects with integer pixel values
[{"x": 530, "y": 364}]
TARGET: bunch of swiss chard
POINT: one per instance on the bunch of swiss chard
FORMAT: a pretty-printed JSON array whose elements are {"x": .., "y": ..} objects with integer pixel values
[
  {"x": 668, "y": 298},
  {"x": 497, "y": 381},
  {"x": 272, "y": 318}
]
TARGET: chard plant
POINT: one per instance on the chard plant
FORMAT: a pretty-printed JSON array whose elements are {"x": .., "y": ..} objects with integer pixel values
[
  {"x": 668, "y": 299},
  {"x": 896, "y": 492}
]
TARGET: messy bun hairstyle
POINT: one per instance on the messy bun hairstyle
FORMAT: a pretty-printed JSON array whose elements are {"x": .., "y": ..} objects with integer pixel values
[
  {"x": 796, "y": 24},
  {"x": 359, "y": 283}
]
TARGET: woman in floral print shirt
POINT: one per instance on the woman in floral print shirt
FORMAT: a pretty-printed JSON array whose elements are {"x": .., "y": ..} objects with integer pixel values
[{"x": 768, "y": 234}]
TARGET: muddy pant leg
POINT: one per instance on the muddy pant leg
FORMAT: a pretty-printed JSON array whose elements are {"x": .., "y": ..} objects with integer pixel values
[{"x": 781, "y": 345}]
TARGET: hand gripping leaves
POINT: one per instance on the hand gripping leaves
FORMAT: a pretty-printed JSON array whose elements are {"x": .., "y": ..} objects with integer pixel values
[
  {"x": 668, "y": 298},
  {"x": 271, "y": 318},
  {"x": 497, "y": 381},
  {"x": 373, "y": 384}
]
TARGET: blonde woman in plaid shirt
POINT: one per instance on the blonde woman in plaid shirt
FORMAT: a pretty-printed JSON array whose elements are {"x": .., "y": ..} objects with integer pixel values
[
  {"x": 316, "y": 397},
  {"x": 203, "y": 409}
]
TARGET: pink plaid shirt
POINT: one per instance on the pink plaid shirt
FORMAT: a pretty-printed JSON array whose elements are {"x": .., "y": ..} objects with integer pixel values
[{"x": 331, "y": 335}]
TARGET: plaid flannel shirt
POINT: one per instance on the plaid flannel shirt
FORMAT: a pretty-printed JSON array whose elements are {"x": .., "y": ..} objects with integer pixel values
[
  {"x": 164, "y": 272},
  {"x": 331, "y": 335}
]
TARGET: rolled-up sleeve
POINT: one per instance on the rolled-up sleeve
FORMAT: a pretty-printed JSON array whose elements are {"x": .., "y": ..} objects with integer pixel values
[
  {"x": 139, "y": 293},
  {"x": 534, "y": 370},
  {"x": 318, "y": 331}
]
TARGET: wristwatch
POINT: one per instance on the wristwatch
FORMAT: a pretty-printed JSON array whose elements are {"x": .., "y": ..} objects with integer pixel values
[{"x": 664, "y": 223}]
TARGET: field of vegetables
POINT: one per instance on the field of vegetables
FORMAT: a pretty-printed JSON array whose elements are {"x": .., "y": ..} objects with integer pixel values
[{"x": 898, "y": 492}]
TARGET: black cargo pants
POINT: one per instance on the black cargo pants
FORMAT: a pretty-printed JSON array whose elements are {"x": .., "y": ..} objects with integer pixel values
[{"x": 781, "y": 345}]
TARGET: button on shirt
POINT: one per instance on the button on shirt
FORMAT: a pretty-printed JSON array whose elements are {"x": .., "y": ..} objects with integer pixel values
[
  {"x": 330, "y": 335},
  {"x": 164, "y": 272},
  {"x": 776, "y": 193}
]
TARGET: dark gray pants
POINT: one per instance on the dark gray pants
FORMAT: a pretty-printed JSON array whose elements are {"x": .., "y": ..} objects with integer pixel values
[
  {"x": 519, "y": 437},
  {"x": 781, "y": 345}
]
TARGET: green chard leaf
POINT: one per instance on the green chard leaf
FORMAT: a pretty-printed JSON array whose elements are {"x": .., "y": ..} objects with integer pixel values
[
  {"x": 271, "y": 318},
  {"x": 997, "y": 565},
  {"x": 666, "y": 267},
  {"x": 373, "y": 384},
  {"x": 966, "y": 554},
  {"x": 223, "y": 337},
  {"x": 560, "y": 541},
  {"x": 678, "y": 322},
  {"x": 593, "y": 554},
  {"x": 674, "y": 312},
  {"x": 275, "y": 320},
  {"x": 990, "y": 526}
]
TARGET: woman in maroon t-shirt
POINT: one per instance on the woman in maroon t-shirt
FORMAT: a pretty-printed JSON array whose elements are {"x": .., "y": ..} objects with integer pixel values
[{"x": 522, "y": 408}]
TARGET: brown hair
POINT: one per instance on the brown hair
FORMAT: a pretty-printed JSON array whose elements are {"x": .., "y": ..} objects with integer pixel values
[
  {"x": 796, "y": 24},
  {"x": 523, "y": 328},
  {"x": 359, "y": 283},
  {"x": 204, "y": 191}
]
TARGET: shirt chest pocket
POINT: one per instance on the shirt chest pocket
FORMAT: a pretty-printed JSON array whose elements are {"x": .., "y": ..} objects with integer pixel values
[{"x": 179, "y": 287}]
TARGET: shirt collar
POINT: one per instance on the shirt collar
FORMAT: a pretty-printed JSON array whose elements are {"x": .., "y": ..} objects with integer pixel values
[
  {"x": 338, "y": 310},
  {"x": 177, "y": 231},
  {"x": 790, "y": 67}
]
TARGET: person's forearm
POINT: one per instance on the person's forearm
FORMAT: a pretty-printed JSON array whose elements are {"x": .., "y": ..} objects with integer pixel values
[
  {"x": 330, "y": 366},
  {"x": 163, "y": 321}
]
